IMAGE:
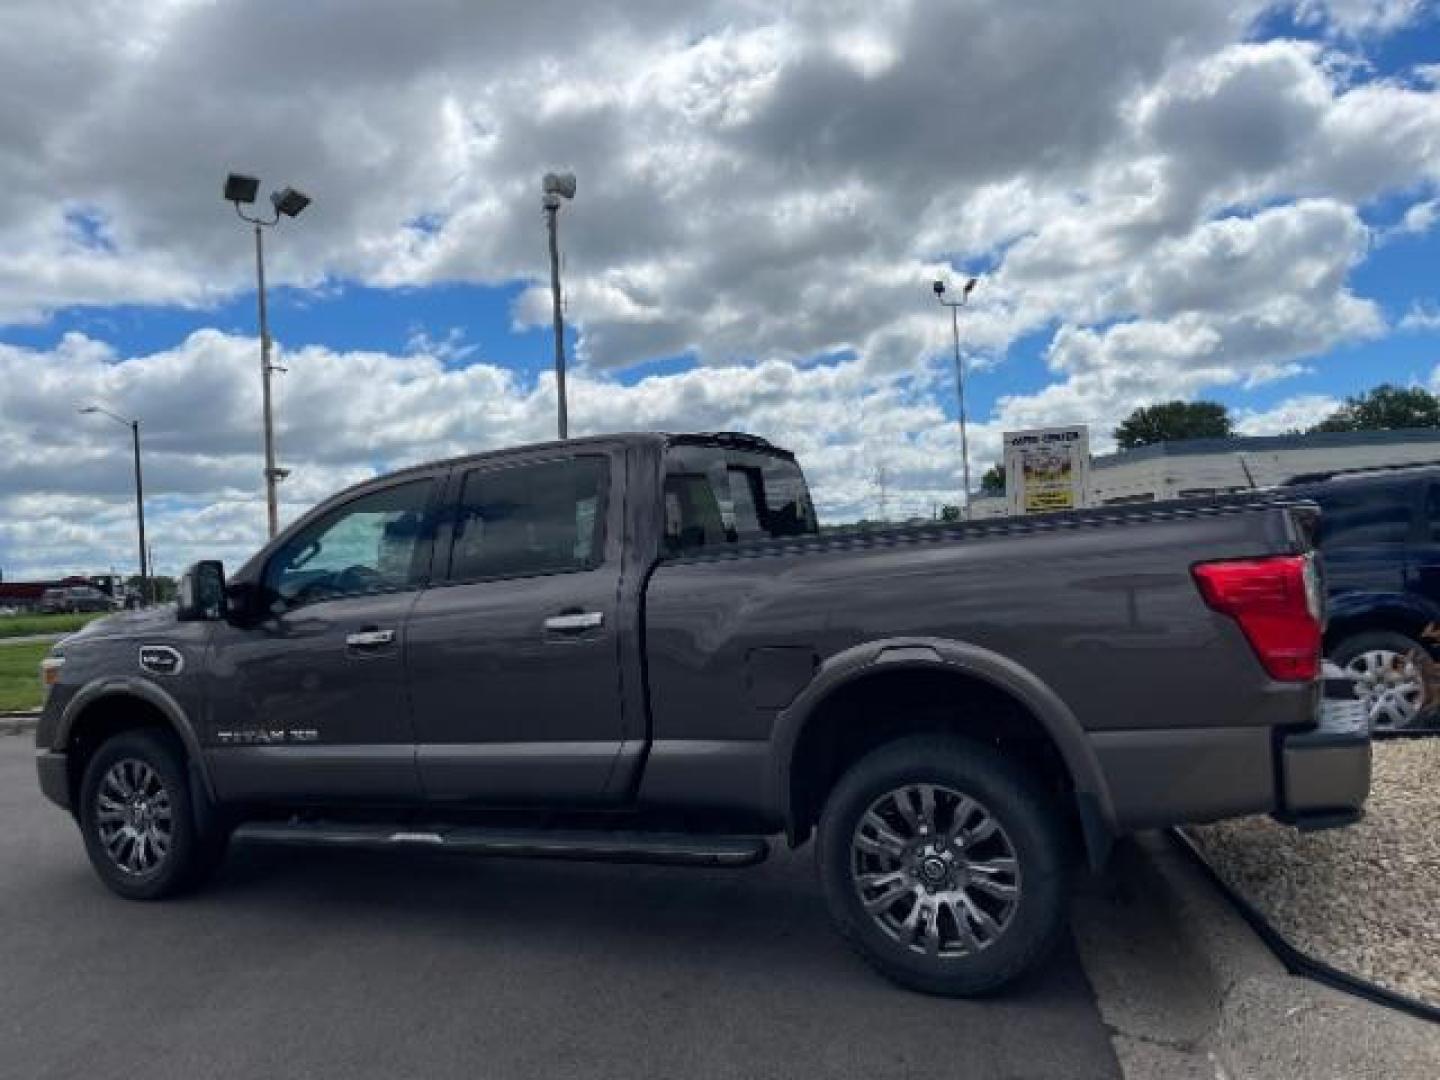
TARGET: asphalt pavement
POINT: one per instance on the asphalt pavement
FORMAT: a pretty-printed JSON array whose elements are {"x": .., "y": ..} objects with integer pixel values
[{"x": 352, "y": 964}]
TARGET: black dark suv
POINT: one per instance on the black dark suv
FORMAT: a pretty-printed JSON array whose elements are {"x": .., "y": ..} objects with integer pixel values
[{"x": 1380, "y": 543}]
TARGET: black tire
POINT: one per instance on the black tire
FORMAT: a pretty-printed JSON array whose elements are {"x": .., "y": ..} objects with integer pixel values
[
  {"x": 1030, "y": 826},
  {"x": 188, "y": 857},
  {"x": 1382, "y": 641}
]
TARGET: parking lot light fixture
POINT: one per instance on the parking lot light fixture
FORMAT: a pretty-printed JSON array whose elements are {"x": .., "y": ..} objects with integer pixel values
[
  {"x": 289, "y": 202},
  {"x": 241, "y": 190},
  {"x": 955, "y": 306},
  {"x": 134, "y": 426}
]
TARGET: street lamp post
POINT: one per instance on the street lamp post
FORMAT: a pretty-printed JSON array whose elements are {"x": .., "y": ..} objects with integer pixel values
[
  {"x": 955, "y": 306},
  {"x": 289, "y": 202},
  {"x": 557, "y": 187},
  {"x": 134, "y": 426}
]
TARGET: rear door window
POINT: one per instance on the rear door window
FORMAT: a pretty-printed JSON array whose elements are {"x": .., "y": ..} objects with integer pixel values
[{"x": 543, "y": 517}]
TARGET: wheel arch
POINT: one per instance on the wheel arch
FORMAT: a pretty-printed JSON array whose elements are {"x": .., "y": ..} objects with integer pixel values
[
  {"x": 955, "y": 662},
  {"x": 1353, "y": 614},
  {"x": 117, "y": 705}
]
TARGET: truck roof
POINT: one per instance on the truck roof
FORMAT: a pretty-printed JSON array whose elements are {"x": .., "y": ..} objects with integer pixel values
[{"x": 736, "y": 439}]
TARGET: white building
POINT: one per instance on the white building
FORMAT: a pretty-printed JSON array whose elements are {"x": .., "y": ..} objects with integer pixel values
[{"x": 1198, "y": 468}]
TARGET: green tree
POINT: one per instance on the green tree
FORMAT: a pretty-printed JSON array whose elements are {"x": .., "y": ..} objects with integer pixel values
[
  {"x": 1385, "y": 408},
  {"x": 949, "y": 512},
  {"x": 1172, "y": 420},
  {"x": 992, "y": 482}
]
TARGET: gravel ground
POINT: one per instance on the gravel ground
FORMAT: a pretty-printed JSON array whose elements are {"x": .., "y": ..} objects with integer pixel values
[{"x": 1365, "y": 898}]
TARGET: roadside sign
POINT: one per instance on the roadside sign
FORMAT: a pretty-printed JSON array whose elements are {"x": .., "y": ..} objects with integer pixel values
[{"x": 1047, "y": 469}]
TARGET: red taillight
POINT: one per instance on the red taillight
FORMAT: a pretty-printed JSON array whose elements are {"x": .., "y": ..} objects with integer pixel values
[{"x": 1276, "y": 603}]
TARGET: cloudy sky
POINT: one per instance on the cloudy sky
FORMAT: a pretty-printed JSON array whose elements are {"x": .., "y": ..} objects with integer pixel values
[{"x": 1163, "y": 198}]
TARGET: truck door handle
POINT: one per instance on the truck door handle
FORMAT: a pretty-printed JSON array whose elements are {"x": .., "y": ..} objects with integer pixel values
[
  {"x": 576, "y": 620},
  {"x": 369, "y": 639}
]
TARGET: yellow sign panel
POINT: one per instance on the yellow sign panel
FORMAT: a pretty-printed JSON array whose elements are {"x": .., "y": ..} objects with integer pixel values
[{"x": 1046, "y": 469}]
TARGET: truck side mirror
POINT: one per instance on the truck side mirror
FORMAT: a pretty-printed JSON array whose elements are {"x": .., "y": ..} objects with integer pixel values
[{"x": 200, "y": 593}]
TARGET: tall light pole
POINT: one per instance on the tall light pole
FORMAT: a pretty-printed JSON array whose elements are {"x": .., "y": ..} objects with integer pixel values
[
  {"x": 289, "y": 202},
  {"x": 557, "y": 187},
  {"x": 955, "y": 306},
  {"x": 134, "y": 426}
]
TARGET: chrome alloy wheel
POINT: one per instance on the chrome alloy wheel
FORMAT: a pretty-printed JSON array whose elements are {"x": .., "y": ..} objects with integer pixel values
[
  {"x": 1389, "y": 686},
  {"x": 935, "y": 870},
  {"x": 133, "y": 817}
]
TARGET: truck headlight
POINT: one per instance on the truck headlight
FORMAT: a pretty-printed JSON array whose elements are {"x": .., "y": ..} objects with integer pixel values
[{"x": 50, "y": 670}]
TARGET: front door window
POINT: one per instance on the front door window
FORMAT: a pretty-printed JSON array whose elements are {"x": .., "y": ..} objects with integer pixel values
[{"x": 369, "y": 545}]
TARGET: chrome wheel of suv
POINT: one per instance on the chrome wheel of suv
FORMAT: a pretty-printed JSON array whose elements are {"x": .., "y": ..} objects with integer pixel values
[
  {"x": 134, "y": 817},
  {"x": 935, "y": 870},
  {"x": 1388, "y": 685}
]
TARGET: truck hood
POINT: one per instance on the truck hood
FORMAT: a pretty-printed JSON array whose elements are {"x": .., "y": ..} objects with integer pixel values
[{"x": 147, "y": 622}]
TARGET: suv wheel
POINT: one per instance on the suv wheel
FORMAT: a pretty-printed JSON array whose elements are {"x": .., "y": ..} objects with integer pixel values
[
  {"x": 944, "y": 865},
  {"x": 137, "y": 819},
  {"x": 1386, "y": 680}
]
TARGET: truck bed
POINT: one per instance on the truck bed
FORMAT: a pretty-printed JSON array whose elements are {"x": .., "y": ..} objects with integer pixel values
[{"x": 1092, "y": 613}]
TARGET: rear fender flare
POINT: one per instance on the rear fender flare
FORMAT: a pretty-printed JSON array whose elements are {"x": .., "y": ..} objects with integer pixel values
[{"x": 943, "y": 654}]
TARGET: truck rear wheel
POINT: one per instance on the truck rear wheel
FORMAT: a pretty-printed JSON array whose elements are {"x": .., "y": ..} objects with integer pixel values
[
  {"x": 944, "y": 865},
  {"x": 137, "y": 819}
]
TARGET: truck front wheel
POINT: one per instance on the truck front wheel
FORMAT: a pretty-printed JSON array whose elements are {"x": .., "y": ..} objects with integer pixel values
[
  {"x": 944, "y": 865},
  {"x": 137, "y": 820}
]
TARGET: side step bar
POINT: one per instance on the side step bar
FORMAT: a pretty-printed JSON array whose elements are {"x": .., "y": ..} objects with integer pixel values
[{"x": 671, "y": 849}]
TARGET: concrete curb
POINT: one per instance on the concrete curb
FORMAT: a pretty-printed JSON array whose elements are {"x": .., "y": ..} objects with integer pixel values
[
  {"x": 18, "y": 723},
  {"x": 1188, "y": 990}
]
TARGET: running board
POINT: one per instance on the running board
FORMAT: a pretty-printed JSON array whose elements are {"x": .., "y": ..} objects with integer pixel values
[{"x": 671, "y": 849}]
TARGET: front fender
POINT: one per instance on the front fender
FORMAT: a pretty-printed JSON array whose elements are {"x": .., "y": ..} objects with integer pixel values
[
  {"x": 955, "y": 657},
  {"x": 144, "y": 690}
]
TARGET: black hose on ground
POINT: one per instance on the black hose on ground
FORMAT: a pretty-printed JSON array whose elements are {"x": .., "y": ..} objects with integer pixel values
[
  {"x": 1295, "y": 961},
  {"x": 1405, "y": 733}
]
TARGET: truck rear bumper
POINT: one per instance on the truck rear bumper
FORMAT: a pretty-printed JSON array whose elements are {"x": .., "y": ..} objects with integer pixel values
[
  {"x": 1325, "y": 772},
  {"x": 1314, "y": 778}
]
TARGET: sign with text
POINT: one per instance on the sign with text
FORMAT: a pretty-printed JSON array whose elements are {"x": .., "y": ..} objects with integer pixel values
[{"x": 1047, "y": 469}]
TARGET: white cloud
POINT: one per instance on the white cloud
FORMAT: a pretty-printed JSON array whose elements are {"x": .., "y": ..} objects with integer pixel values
[
  {"x": 1230, "y": 303},
  {"x": 1419, "y": 217},
  {"x": 1297, "y": 413},
  {"x": 1423, "y": 316},
  {"x": 1355, "y": 17},
  {"x": 1173, "y": 204},
  {"x": 65, "y": 481},
  {"x": 754, "y": 181}
]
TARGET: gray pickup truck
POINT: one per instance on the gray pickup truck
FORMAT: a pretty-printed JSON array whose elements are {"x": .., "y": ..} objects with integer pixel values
[{"x": 643, "y": 647}]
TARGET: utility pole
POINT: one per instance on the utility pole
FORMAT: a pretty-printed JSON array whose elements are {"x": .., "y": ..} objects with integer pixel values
[
  {"x": 145, "y": 590},
  {"x": 241, "y": 189},
  {"x": 557, "y": 187},
  {"x": 955, "y": 306},
  {"x": 272, "y": 510},
  {"x": 142, "y": 548},
  {"x": 562, "y": 421}
]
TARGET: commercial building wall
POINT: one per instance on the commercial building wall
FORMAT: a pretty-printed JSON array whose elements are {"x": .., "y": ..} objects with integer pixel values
[{"x": 1199, "y": 468}]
